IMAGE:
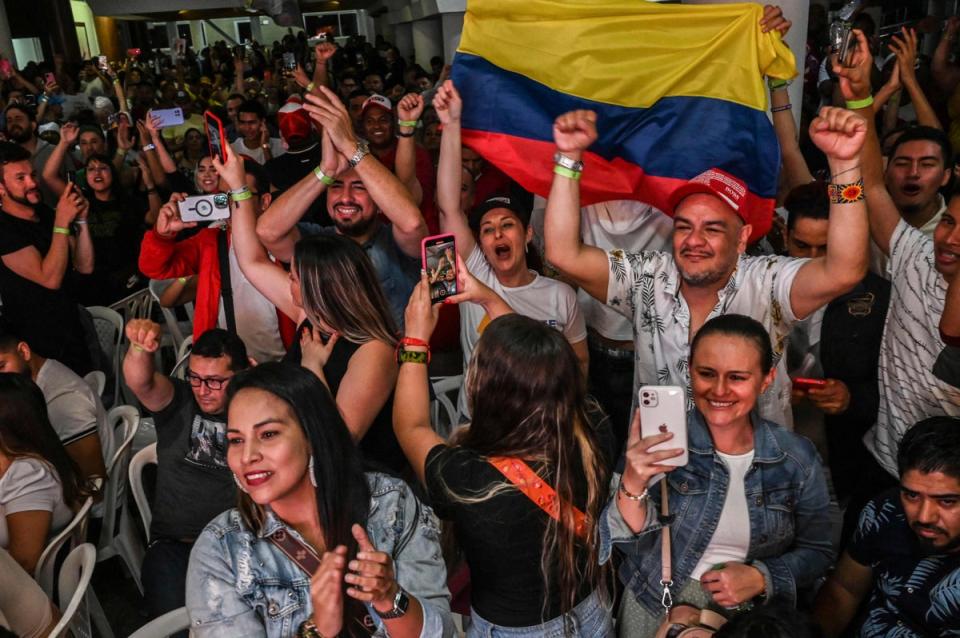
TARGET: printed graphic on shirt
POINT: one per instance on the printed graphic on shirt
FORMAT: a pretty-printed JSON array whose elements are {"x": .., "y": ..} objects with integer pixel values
[{"x": 208, "y": 443}]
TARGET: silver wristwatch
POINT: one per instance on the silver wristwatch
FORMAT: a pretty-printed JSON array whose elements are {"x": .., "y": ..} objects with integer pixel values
[
  {"x": 363, "y": 149},
  {"x": 401, "y": 603},
  {"x": 562, "y": 160}
]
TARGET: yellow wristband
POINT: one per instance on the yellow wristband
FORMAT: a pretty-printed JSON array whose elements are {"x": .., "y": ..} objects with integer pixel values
[
  {"x": 323, "y": 177},
  {"x": 860, "y": 104},
  {"x": 60, "y": 230},
  {"x": 242, "y": 196},
  {"x": 311, "y": 87},
  {"x": 566, "y": 172}
]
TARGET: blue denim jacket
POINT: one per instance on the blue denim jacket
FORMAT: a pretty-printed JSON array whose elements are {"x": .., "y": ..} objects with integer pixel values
[
  {"x": 791, "y": 522},
  {"x": 239, "y": 584}
]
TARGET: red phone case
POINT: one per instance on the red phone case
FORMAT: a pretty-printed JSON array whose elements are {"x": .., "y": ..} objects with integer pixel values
[
  {"x": 210, "y": 117},
  {"x": 805, "y": 383}
]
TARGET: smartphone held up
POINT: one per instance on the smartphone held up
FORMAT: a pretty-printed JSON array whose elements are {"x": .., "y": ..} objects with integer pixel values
[
  {"x": 216, "y": 136},
  {"x": 439, "y": 258},
  {"x": 663, "y": 408}
]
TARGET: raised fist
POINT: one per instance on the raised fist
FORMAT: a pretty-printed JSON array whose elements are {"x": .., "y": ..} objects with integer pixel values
[
  {"x": 839, "y": 133},
  {"x": 575, "y": 131},
  {"x": 143, "y": 334}
]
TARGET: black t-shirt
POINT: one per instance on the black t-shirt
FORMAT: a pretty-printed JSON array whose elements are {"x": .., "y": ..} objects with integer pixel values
[
  {"x": 116, "y": 228},
  {"x": 46, "y": 319},
  {"x": 915, "y": 592},
  {"x": 288, "y": 169},
  {"x": 194, "y": 484},
  {"x": 502, "y": 537}
]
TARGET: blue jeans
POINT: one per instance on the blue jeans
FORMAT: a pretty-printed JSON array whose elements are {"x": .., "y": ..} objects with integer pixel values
[{"x": 589, "y": 619}]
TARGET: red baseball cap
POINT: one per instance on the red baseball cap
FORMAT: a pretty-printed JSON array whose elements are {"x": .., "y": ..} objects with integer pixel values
[
  {"x": 731, "y": 190},
  {"x": 294, "y": 121}
]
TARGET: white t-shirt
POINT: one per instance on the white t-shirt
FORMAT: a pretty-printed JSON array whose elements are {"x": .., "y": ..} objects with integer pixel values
[
  {"x": 75, "y": 411},
  {"x": 257, "y": 323},
  {"x": 645, "y": 288},
  {"x": 909, "y": 391},
  {"x": 629, "y": 225},
  {"x": 731, "y": 540},
  {"x": 548, "y": 300},
  {"x": 276, "y": 149},
  {"x": 29, "y": 485}
]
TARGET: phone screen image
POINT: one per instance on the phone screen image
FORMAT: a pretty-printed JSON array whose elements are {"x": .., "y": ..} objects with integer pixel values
[
  {"x": 440, "y": 262},
  {"x": 215, "y": 135}
]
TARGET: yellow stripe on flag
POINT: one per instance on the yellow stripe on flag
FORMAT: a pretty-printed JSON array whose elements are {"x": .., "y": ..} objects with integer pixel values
[{"x": 630, "y": 52}]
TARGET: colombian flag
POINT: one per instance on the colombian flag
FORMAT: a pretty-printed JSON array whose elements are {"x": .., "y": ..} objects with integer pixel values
[{"x": 677, "y": 89}]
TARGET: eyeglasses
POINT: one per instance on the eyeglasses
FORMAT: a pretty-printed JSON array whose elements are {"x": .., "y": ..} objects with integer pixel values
[{"x": 212, "y": 383}]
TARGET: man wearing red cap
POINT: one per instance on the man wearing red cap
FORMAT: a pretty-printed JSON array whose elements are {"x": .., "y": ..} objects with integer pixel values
[{"x": 668, "y": 296}]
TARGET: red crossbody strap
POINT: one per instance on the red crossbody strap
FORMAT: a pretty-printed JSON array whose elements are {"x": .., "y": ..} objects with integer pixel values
[
  {"x": 305, "y": 558},
  {"x": 537, "y": 490}
]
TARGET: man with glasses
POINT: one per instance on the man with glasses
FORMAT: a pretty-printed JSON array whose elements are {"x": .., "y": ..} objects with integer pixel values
[
  {"x": 209, "y": 254},
  {"x": 193, "y": 482}
]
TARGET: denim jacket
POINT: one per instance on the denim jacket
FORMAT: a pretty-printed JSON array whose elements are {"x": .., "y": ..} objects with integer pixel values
[
  {"x": 239, "y": 584},
  {"x": 790, "y": 510}
]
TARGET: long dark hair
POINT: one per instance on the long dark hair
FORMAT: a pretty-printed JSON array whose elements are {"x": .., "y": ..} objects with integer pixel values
[
  {"x": 340, "y": 287},
  {"x": 528, "y": 400},
  {"x": 25, "y": 431},
  {"x": 343, "y": 497}
]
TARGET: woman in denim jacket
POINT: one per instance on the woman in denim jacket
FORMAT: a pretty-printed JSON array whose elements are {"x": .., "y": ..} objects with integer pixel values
[
  {"x": 380, "y": 571},
  {"x": 751, "y": 511}
]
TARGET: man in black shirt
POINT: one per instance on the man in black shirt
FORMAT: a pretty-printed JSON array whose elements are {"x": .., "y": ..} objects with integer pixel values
[
  {"x": 194, "y": 483},
  {"x": 36, "y": 243},
  {"x": 905, "y": 553}
]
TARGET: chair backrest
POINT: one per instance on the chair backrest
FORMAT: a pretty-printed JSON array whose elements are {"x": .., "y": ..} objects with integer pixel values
[
  {"x": 109, "y": 326},
  {"x": 124, "y": 420},
  {"x": 165, "y": 625},
  {"x": 169, "y": 316},
  {"x": 140, "y": 460},
  {"x": 74, "y": 582},
  {"x": 139, "y": 305},
  {"x": 183, "y": 354},
  {"x": 74, "y": 533},
  {"x": 442, "y": 387},
  {"x": 97, "y": 380}
]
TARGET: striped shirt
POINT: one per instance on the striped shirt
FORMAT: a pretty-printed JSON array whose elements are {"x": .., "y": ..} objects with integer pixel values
[{"x": 909, "y": 391}]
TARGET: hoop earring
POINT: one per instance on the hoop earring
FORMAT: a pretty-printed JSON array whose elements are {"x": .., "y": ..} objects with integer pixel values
[
  {"x": 313, "y": 479},
  {"x": 239, "y": 484}
]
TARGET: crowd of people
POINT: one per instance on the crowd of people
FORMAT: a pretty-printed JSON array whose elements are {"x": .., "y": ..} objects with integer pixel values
[{"x": 303, "y": 485}]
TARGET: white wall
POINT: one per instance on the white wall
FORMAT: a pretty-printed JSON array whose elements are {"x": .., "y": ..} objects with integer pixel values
[{"x": 82, "y": 13}]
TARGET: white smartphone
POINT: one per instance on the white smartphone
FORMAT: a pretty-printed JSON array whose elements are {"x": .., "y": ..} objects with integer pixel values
[
  {"x": 663, "y": 408},
  {"x": 168, "y": 117},
  {"x": 205, "y": 208}
]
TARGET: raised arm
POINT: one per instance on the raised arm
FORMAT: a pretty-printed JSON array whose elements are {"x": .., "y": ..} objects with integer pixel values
[
  {"x": 277, "y": 226},
  {"x": 409, "y": 110},
  {"x": 453, "y": 219},
  {"x": 51, "y": 170},
  {"x": 149, "y": 141},
  {"x": 586, "y": 266},
  {"x": 151, "y": 388},
  {"x": 167, "y": 162},
  {"x": 840, "y": 135},
  {"x": 946, "y": 75},
  {"x": 795, "y": 170},
  {"x": 81, "y": 245},
  {"x": 905, "y": 47},
  {"x": 393, "y": 199},
  {"x": 48, "y": 270},
  {"x": 855, "y": 86},
  {"x": 267, "y": 277}
]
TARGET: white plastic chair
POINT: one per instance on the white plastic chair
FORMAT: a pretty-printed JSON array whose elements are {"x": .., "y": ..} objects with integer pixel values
[
  {"x": 165, "y": 625},
  {"x": 123, "y": 542},
  {"x": 140, "y": 460},
  {"x": 139, "y": 305},
  {"x": 174, "y": 328},
  {"x": 183, "y": 354},
  {"x": 442, "y": 387},
  {"x": 74, "y": 533},
  {"x": 97, "y": 380},
  {"x": 73, "y": 588},
  {"x": 109, "y": 325}
]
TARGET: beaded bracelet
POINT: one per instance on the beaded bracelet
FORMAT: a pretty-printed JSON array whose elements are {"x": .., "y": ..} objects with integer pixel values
[{"x": 846, "y": 193}]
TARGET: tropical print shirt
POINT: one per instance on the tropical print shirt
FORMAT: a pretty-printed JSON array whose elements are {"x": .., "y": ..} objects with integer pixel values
[
  {"x": 645, "y": 288},
  {"x": 915, "y": 592}
]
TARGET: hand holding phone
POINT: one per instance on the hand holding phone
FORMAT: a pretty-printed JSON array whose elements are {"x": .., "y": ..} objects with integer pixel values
[
  {"x": 215, "y": 136},
  {"x": 163, "y": 118},
  {"x": 805, "y": 383},
  {"x": 438, "y": 254},
  {"x": 205, "y": 208}
]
